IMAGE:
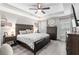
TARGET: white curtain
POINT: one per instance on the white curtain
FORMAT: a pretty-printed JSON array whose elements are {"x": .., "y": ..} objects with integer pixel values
[{"x": 43, "y": 27}]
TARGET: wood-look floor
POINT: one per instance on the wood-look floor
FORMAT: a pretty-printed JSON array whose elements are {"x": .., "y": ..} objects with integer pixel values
[{"x": 53, "y": 48}]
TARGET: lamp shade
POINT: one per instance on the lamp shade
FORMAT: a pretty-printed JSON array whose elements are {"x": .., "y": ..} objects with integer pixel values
[{"x": 73, "y": 23}]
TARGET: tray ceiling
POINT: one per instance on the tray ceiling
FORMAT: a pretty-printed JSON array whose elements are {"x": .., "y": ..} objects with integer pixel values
[{"x": 23, "y": 9}]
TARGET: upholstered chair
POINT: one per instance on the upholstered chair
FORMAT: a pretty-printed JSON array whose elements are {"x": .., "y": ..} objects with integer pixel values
[{"x": 6, "y": 49}]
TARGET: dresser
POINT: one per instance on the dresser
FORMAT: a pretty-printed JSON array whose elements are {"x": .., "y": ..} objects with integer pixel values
[
  {"x": 52, "y": 31},
  {"x": 72, "y": 45}
]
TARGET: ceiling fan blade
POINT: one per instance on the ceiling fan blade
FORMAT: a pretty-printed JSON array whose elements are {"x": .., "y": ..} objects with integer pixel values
[
  {"x": 33, "y": 8},
  {"x": 46, "y": 8},
  {"x": 42, "y": 11}
]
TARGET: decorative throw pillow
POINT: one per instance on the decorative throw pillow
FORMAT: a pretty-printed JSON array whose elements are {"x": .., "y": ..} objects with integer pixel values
[
  {"x": 29, "y": 31},
  {"x": 23, "y": 32}
]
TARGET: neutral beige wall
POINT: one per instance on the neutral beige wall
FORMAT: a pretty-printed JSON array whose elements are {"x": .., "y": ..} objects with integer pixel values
[{"x": 0, "y": 31}]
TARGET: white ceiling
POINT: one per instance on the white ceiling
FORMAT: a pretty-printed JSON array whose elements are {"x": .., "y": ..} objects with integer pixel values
[{"x": 56, "y": 9}]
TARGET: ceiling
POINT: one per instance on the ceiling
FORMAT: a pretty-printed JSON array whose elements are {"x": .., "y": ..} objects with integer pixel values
[{"x": 56, "y": 9}]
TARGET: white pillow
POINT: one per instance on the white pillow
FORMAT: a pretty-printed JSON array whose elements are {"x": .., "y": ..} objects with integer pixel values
[
  {"x": 23, "y": 32},
  {"x": 29, "y": 31}
]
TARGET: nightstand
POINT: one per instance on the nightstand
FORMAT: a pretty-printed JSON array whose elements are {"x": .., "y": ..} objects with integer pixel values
[{"x": 10, "y": 40}]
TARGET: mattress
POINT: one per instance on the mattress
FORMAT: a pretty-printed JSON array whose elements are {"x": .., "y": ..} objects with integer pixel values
[{"x": 31, "y": 38}]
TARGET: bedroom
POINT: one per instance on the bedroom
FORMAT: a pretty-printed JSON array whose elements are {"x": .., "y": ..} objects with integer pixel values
[{"x": 47, "y": 23}]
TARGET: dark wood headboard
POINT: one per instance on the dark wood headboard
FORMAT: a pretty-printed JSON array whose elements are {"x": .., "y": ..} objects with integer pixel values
[{"x": 23, "y": 27}]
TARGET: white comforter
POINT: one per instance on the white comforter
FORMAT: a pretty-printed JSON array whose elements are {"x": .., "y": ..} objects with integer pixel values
[{"x": 31, "y": 38}]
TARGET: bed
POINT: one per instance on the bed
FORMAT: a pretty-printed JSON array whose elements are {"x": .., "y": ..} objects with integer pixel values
[{"x": 32, "y": 41}]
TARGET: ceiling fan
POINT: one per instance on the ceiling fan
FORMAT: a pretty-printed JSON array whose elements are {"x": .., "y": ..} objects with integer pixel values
[{"x": 40, "y": 7}]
